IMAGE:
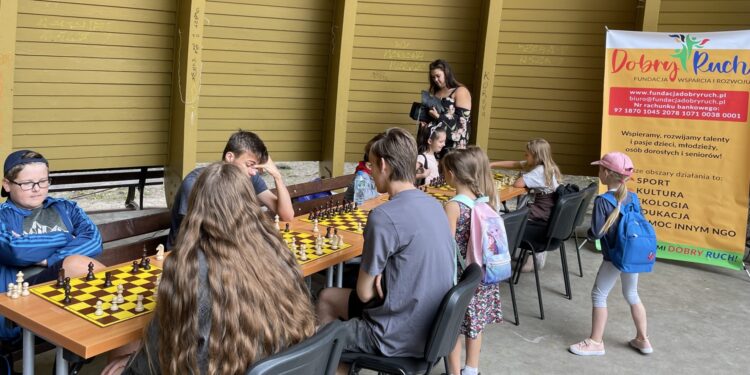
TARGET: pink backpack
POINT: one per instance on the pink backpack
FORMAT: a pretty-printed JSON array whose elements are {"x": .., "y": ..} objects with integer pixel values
[{"x": 488, "y": 242}]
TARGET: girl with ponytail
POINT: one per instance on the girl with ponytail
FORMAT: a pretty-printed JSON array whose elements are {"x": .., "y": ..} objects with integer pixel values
[{"x": 615, "y": 169}]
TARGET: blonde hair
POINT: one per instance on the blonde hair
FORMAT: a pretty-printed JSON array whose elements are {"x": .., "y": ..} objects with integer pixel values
[
  {"x": 620, "y": 194},
  {"x": 259, "y": 301},
  {"x": 471, "y": 167},
  {"x": 541, "y": 152}
]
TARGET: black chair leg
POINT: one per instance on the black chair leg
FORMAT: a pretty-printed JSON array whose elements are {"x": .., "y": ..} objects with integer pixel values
[
  {"x": 513, "y": 301},
  {"x": 566, "y": 278},
  {"x": 538, "y": 287},
  {"x": 578, "y": 253},
  {"x": 519, "y": 265}
]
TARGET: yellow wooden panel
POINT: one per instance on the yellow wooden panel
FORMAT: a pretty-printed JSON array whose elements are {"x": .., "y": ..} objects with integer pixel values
[
  {"x": 105, "y": 162},
  {"x": 77, "y": 50},
  {"x": 548, "y": 71},
  {"x": 260, "y": 92},
  {"x": 727, "y": 18},
  {"x": 265, "y": 47},
  {"x": 21, "y": 115},
  {"x": 566, "y": 15},
  {"x": 167, "y": 5},
  {"x": 261, "y": 114},
  {"x": 231, "y": 126},
  {"x": 416, "y": 54},
  {"x": 101, "y": 151},
  {"x": 273, "y": 146},
  {"x": 545, "y": 127},
  {"x": 93, "y": 38},
  {"x": 549, "y": 50},
  {"x": 213, "y": 32},
  {"x": 414, "y": 33},
  {"x": 552, "y": 83},
  {"x": 382, "y": 86},
  {"x": 260, "y": 103},
  {"x": 264, "y": 11},
  {"x": 68, "y": 76},
  {"x": 558, "y": 148},
  {"x": 91, "y": 89},
  {"x": 317, "y": 4},
  {"x": 428, "y": 44},
  {"x": 382, "y": 107},
  {"x": 94, "y": 11},
  {"x": 548, "y": 105},
  {"x": 552, "y": 38},
  {"x": 265, "y": 135},
  {"x": 51, "y": 140},
  {"x": 264, "y": 58},
  {"x": 728, "y": 6},
  {"x": 55, "y": 22},
  {"x": 434, "y": 3},
  {"x": 560, "y": 116},
  {"x": 100, "y": 127},
  {"x": 552, "y": 137},
  {"x": 570, "y": 5},
  {"x": 562, "y": 27},
  {"x": 434, "y": 12},
  {"x": 534, "y": 93},
  {"x": 374, "y": 128},
  {"x": 262, "y": 80},
  {"x": 269, "y": 24},
  {"x": 380, "y": 117},
  {"x": 264, "y": 69},
  {"x": 417, "y": 68},
  {"x": 93, "y": 102},
  {"x": 384, "y": 97},
  {"x": 529, "y": 60},
  {"x": 691, "y": 28},
  {"x": 386, "y": 76},
  {"x": 394, "y": 20},
  {"x": 79, "y": 63}
]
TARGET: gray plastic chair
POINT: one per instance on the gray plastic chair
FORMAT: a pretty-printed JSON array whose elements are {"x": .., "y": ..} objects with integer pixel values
[
  {"x": 515, "y": 224},
  {"x": 588, "y": 196}
]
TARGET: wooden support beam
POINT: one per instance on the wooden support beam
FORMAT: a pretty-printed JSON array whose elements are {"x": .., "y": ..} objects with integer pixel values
[
  {"x": 8, "y": 21},
  {"x": 337, "y": 102},
  {"x": 484, "y": 81},
  {"x": 186, "y": 85},
  {"x": 648, "y": 15}
]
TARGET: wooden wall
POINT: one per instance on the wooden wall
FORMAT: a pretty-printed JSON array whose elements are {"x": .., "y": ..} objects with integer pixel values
[
  {"x": 265, "y": 66},
  {"x": 92, "y": 81},
  {"x": 696, "y": 16}
]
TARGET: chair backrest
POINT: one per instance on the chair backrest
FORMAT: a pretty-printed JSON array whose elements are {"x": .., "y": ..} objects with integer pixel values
[
  {"x": 318, "y": 354},
  {"x": 450, "y": 315},
  {"x": 563, "y": 216},
  {"x": 588, "y": 196},
  {"x": 515, "y": 225}
]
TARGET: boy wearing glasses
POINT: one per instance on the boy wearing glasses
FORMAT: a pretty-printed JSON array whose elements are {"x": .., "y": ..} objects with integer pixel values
[
  {"x": 247, "y": 151},
  {"x": 38, "y": 230}
]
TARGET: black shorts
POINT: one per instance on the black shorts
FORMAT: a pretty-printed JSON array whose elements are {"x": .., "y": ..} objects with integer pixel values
[{"x": 356, "y": 306}]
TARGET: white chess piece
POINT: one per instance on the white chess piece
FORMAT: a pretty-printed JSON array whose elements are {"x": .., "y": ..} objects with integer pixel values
[
  {"x": 276, "y": 222},
  {"x": 316, "y": 230},
  {"x": 120, "y": 290},
  {"x": 318, "y": 249},
  {"x": 139, "y": 303},
  {"x": 335, "y": 242},
  {"x": 359, "y": 226},
  {"x": 10, "y": 289},
  {"x": 99, "y": 311},
  {"x": 160, "y": 252},
  {"x": 19, "y": 278},
  {"x": 341, "y": 240},
  {"x": 114, "y": 306},
  {"x": 25, "y": 289},
  {"x": 15, "y": 294},
  {"x": 303, "y": 252}
]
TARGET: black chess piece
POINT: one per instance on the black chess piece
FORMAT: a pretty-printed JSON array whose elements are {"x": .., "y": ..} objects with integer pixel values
[
  {"x": 67, "y": 300},
  {"x": 60, "y": 278},
  {"x": 311, "y": 216},
  {"x": 143, "y": 257},
  {"x": 135, "y": 267},
  {"x": 67, "y": 282},
  {"x": 328, "y": 232},
  {"x": 107, "y": 279},
  {"x": 90, "y": 275},
  {"x": 147, "y": 264},
  {"x": 286, "y": 227}
]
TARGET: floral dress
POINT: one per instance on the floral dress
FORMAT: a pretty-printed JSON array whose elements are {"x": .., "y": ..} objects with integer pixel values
[
  {"x": 457, "y": 122},
  {"x": 485, "y": 307}
]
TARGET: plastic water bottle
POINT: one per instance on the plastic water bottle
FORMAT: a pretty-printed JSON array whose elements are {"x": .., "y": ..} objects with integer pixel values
[{"x": 360, "y": 184}]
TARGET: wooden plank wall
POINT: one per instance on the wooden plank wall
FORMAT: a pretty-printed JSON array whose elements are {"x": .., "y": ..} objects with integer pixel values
[
  {"x": 548, "y": 77},
  {"x": 93, "y": 81},
  {"x": 695, "y": 16},
  {"x": 265, "y": 68},
  {"x": 394, "y": 44}
]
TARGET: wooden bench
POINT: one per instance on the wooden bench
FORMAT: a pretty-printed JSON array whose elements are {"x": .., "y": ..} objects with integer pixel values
[
  {"x": 124, "y": 239},
  {"x": 131, "y": 178},
  {"x": 323, "y": 185}
]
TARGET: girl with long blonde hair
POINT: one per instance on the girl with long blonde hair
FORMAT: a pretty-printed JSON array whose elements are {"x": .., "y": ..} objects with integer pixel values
[{"x": 231, "y": 292}]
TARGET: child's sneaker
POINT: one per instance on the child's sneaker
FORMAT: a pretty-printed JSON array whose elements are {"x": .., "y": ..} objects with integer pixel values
[
  {"x": 587, "y": 347},
  {"x": 643, "y": 346}
]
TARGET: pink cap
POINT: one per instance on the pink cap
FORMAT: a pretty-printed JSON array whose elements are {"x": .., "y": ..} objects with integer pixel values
[{"x": 616, "y": 162}]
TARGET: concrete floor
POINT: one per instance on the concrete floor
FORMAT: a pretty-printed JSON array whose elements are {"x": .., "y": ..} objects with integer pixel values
[{"x": 698, "y": 322}]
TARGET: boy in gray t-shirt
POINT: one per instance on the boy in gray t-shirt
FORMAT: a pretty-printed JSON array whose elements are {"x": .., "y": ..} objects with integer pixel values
[{"x": 407, "y": 261}]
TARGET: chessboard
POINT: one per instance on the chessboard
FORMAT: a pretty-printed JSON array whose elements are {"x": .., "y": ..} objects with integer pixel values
[
  {"x": 439, "y": 184},
  {"x": 353, "y": 220},
  {"x": 499, "y": 176},
  {"x": 84, "y": 294},
  {"x": 308, "y": 239}
]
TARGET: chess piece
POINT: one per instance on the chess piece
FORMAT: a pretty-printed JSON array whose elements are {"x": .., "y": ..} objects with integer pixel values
[
  {"x": 120, "y": 298},
  {"x": 67, "y": 298},
  {"x": 25, "y": 289},
  {"x": 335, "y": 242},
  {"x": 315, "y": 226},
  {"x": 302, "y": 255},
  {"x": 19, "y": 278},
  {"x": 90, "y": 275},
  {"x": 60, "y": 278},
  {"x": 114, "y": 306},
  {"x": 276, "y": 222},
  {"x": 139, "y": 303},
  {"x": 135, "y": 267},
  {"x": 341, "y": 241},
  {"x": 318, "y": 249},
  {"x": 9, "y": 291},
  {"x": 142, "y": 263},
  {"x": 160, "y": 252},
  {"x": 359, "y": 226},
  {"x": 286, "y": 227},
  {"x": 107, "y": 279},
  {"x": 328, "y": 232},
  {"x": 147, "y": 264},
  {"x": 67, "y": 282},
  {"x": 15, "y": 292},
  {"x": 99, "y": 311}
]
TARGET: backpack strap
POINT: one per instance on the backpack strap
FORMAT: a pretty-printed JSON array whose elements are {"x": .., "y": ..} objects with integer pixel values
[
  {"x": 463, "y": 199},
  {"x": 425, "y": 161},
  {"x": 610, "y": 198}
]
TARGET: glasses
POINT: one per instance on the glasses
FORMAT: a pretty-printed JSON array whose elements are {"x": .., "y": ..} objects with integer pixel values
[{"x": 26, "y": 186}]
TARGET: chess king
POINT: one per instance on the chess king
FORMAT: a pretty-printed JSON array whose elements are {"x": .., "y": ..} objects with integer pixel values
[
  {"x": 247, "y": 151},
  {"x": 38, "y": 230}
]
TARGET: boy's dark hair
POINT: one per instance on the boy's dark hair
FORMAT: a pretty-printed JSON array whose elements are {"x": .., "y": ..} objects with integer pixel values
[
  {"x": 450, "y": 79},
  {"x": 368, "y": 146},
  {"x": 244, "y": 141},
  {"x": 16, "y": 161},
  {"x": 398, "y": 147}
]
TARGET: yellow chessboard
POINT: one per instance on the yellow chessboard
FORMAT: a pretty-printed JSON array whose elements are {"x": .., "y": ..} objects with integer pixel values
[
  {"x": 309, "y": 240},
  {"x": 345, "y": 221},
  {"x": 84, "y": 295}
]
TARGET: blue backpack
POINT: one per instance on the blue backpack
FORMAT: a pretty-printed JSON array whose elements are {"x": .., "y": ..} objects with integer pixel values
[
  {"x": 636, "y": 240},
  {"x": 488, "y": 242}
]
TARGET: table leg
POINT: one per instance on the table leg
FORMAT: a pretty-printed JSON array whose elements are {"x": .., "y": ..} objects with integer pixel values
[
  {"x": 329, "y": 277},
  {"x": 61, "y": 365},
  {"x": 28, "y": 352},
  {"x": 340, "y": 275}
]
